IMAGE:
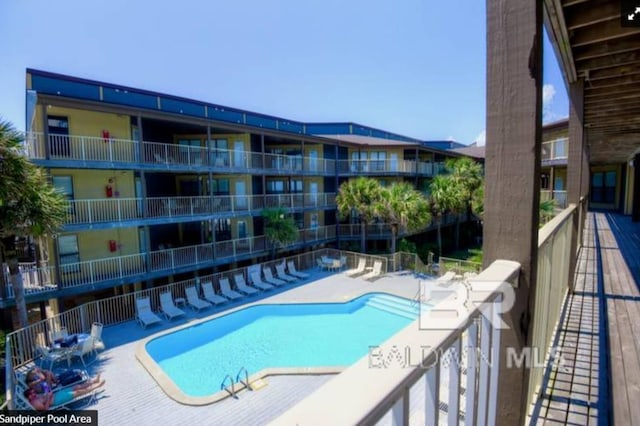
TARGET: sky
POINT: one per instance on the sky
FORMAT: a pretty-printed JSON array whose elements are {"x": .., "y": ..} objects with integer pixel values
[{"x": 413, "y": 67}]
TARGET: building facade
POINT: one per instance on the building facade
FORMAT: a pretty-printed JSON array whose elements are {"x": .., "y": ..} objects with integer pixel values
[{"x": 162, "y": 188}]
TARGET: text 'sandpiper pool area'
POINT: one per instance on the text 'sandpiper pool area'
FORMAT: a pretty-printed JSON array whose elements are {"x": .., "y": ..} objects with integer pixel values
[{"x": 263, "y": 337}]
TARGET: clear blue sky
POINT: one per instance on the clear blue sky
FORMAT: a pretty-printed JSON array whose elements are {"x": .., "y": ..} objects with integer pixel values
[{"x": 413, "y": 67}]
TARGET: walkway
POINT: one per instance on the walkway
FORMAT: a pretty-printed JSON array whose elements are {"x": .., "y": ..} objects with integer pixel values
[{"x": 598, "y": 380}]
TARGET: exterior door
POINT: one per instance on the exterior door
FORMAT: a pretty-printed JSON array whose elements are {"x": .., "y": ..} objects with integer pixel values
[
  {"x": 313, "y": 160},
  {"x": 313, "y": 190},
  {"x": 241, "y": 195},
  {"x": 239, "y": 154}
]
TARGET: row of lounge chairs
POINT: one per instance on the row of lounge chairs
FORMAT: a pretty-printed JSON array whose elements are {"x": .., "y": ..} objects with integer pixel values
[{"x": 146, "y": 316}]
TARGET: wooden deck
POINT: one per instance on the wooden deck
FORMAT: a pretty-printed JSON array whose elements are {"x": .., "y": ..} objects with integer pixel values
[{"x": 598, "y": 381}]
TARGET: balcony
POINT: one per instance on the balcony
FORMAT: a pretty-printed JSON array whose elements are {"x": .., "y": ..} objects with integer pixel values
[
  {"x": 97, "y": 152},
  {"x": 555, "y": 152},
  {"x": 95, "y": 212},
  {"x": 131, "y": 268},
  {"x": 388, "y": 167}
]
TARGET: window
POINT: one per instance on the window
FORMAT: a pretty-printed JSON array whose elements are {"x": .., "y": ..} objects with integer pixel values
[
  {"x": 64, "y": 185},
  {"x": 603, "y": 187},
  {"x": 220, "y": 186},
  {"x": 295, "y": 186},
  {"x": 544, "y": 181},
  {"x": 219, "y": 152},
  {"x": 275, "y": 187},
  {"x": 298, "y": 218},
  {"x": 68, "y": 252},
  {"x": 378, "y": 160}
]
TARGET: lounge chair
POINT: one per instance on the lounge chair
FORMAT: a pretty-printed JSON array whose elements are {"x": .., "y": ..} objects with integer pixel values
[
  {"x": 362, "y": 263},
  {"x": 96, "y": 335},
  {"x": 84, "y": 347},
  {"x": 225, "y": 289},
  {"x": 242, "y": 286},
  {"x": 23, "y": 403},
  {"x": 144, "y": 315},
  {"x": 268, "y": 277},
  {"x": 293, "y": 271},
  {"x": 167, "y": 306},
  {"x": 256, "y": 281},
  {"x": 194, "y": 300},
  {"x": 50, "y": 356},
  {"x": 377, "y": 268},
  {"x": 210, "y": 295},
  {"x": 280, "y": 272},
  {"x": 448, "y": 276}
]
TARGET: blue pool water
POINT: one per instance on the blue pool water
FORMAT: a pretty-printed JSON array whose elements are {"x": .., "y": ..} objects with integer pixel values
[{"x": 268, "y": 336}]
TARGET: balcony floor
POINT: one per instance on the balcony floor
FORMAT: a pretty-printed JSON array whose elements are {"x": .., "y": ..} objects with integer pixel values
[{"x": 599, "y": 336}]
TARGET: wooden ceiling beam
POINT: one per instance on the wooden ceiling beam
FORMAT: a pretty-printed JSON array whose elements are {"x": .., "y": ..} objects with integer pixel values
[
  {"x": 610, "y": 101},
  {"x": 621, "y": 89},
  {"x": 607, "y": 73},
  {"x": 602, "y": 31},
  {"x": 627, "y": 59},
  {"x": 606, "y": 48},
  {"x": 585, "y": 16}
]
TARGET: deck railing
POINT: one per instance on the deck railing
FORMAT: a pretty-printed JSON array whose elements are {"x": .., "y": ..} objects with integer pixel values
[
  {"x": 457, "y": 365},
  {"x": 42, "y": 279},
  {"x": 388, "y": 166},
  {"x": 458, "y": 266},
  {"x": 119, "y": 209},
  {"x": 560, "y": 197},
  {"x": 553, "y": 282},
  {"x": 21, "y": 344},
  {"x": 163, "y": 155}
]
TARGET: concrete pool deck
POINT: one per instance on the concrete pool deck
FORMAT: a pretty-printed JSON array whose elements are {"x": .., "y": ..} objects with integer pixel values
[{"x": 132, "y": 396}]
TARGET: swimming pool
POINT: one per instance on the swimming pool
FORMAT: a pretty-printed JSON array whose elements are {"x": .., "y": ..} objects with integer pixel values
[{"x": 266, "y": 337}]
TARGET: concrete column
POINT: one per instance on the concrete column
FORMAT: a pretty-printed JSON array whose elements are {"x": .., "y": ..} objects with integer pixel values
[
  {"x": 575, "y": 167},
  {"x": 512, "y": 175}
]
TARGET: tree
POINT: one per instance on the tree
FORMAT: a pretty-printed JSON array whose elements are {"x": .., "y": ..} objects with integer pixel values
[
  {"x": 361, "y": 197},
  {"x": 446, "y": 196},
  {"x": 29, "y": 206},
  {"x": 466, "y": 176},
  {"x": 403, "y": 208},
  {"x": 279, "y": 228}
]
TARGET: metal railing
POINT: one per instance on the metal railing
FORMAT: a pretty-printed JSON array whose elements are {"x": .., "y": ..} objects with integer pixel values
[
  {"x": 119, "y": 209},
  {"x": 553, "y": 282},
  {"x": 457, "y": 365},
  {"x": 21, "y": 344},
  {"x": 387, "y": 166},
  {"x": 163, "y": 155},
  {"x": 559, "y": 196},
  {"x": 91, "y": 272},
  {"x": 458, "y": 266}
]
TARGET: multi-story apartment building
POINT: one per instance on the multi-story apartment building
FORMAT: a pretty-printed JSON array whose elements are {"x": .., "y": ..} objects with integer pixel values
[{"x": 162, "y": 187}]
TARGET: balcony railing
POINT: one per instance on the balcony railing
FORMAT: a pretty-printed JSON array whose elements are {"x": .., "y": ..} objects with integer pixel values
[
  {"x": 42, "y": 279},
  {"x": 555, "y": 150},
  {"x": 119, "y": 209},
  {"x": 388, "y": 166},
  {"x": 425, "y": 363},
  {"x": 162, "y": 155}
]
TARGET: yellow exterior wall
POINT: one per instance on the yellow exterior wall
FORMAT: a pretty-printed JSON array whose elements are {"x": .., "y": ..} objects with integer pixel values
[
  {"x": 90, "y": 123},
  {"x": 91, "y": 184},
  {"x": 234, "y": 226}
]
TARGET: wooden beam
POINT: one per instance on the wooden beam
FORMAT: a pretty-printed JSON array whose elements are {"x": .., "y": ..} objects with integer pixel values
[
  {"x": 606, "y": 48},
  {"x": 514, "y": 109},
  {"x": 612, "y": 91},
  {"x": 611, "y": 101},
  {"x": 631, "y": 59},
  {"x": 617, "y": 111},
  {"x": 610, "y": 73},
  {"x": 584, "y": 16},
  {"x": 602, "y": 31}
]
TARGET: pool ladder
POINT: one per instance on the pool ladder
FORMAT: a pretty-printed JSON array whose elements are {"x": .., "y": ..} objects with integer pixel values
[{"x": 232, "y": 388}]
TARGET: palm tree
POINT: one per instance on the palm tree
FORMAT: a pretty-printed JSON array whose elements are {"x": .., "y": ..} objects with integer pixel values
[
  {"x": 279, "y": 228},
  {"x": 29, "y": 206},
  {"x": 404, "y": 208},
  {"x": 361, "y": 197},
  {"x": 466, "y": 174},
  {"x": 446, "y": 196}
]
